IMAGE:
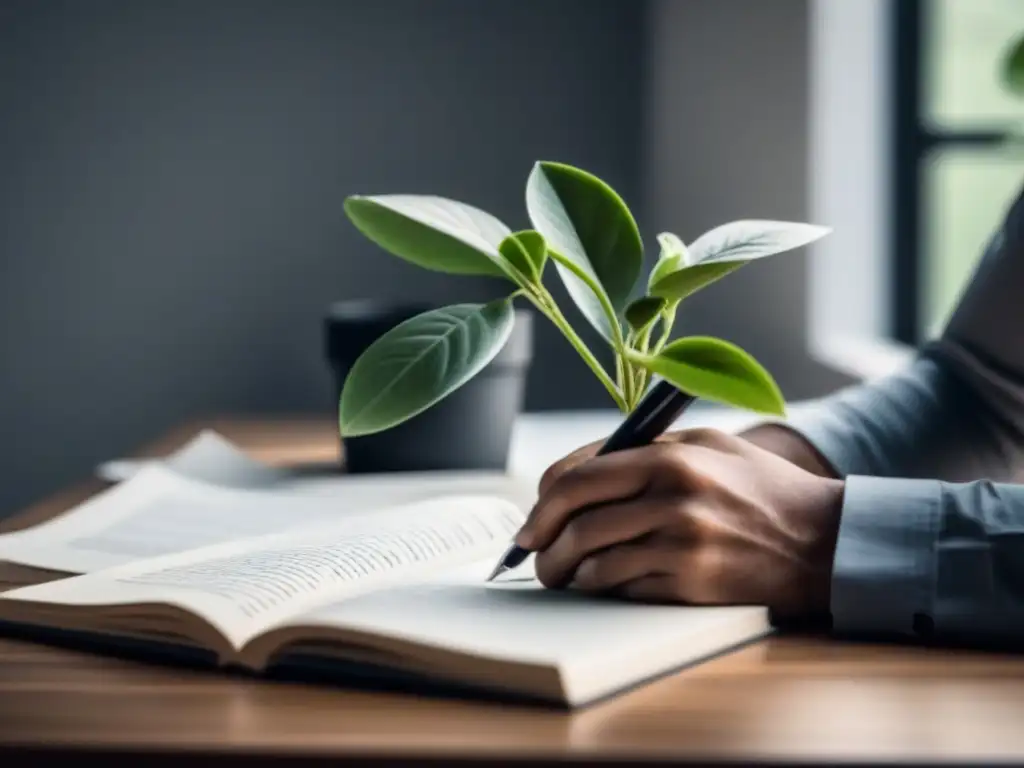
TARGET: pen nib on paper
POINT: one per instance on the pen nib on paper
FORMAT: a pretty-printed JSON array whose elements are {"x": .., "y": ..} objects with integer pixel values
[
  {"x": 505, "y": 562},
  {"x": 514, "y": 557},
  {"x": 498, "y": 570}
]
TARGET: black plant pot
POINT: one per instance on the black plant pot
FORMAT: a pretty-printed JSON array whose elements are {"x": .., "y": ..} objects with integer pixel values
[{"x": 471, "y": 429}]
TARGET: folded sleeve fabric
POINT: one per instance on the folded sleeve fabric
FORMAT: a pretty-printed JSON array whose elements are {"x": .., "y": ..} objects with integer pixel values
[
  {"x": 931, "y": 539},
  {"x": 931, "y": 559}
]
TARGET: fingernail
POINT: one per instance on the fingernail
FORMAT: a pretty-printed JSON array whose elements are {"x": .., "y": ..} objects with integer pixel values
[
  {"x": 584, "y": 571},
  {"x": 524, "y": 538}
]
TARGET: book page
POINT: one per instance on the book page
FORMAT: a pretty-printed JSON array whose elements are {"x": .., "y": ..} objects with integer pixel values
[
  {"x": 155, "y": 513},
  {"x": 159, "y": 512},
  {"x": 408, "y": 487},
  {"x": 591, "y": 641},
  {"x": 213, "y": 459},
  {"x": 241, "y": 587},
  {"x": 208, "y": 457},
  {"x": 524, "y": 620}
]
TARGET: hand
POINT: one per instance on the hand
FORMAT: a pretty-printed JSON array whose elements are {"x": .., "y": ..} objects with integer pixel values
[{"x": 699, "y": 517}]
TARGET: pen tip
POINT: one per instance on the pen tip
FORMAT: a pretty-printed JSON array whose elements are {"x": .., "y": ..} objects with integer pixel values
[{"x": 499, "y": 569}]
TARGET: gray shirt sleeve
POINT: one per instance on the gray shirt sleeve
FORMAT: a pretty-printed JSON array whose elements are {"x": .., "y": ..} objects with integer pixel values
[{"x": 931, "y": 538}]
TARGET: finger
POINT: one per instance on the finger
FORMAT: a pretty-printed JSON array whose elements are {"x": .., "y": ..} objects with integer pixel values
[
  {"x": 698, "y": 575},
  {"x": 701, "y": 436},
  {"x": 626, "y": 563},
  {"x": 652, "y": 588},
  {"x": 596, "y": 529},
  {"x": 600, "y": 480},
  {"x": 563, "y": 465},
  {"x": 708, "y": 437},
  {"x": 580, "y": 455}
]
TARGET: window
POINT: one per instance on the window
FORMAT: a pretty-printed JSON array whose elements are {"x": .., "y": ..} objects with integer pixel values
[{"x": 955, "y": 169}]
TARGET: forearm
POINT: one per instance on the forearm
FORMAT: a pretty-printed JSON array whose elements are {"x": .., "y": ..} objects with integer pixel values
[
  {"x": 924, "y": 534},
  {"x": 920, "y": 558},
  {"x": 947, "y": 417},
  {"x": 931, "y": 527},
  {"x": 957, "y": 413},
  {"x": 790, "y": 445}
]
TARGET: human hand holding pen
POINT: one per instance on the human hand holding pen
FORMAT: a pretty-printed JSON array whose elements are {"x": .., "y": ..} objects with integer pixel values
[{"x": 699, "y": 517}]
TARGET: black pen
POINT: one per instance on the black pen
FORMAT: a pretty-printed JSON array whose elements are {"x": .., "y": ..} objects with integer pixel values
[{"x": 656, "y": 413}]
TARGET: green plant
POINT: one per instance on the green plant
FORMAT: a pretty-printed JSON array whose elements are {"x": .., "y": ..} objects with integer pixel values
[
  {"x": 1012, "y": 69},
  {"x": 584, "y": 231}
]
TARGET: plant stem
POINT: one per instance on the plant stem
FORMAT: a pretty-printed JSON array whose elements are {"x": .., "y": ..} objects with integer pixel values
[
  {"x": 643, "y": 378},
  {"x": 546, "y": 304},
  {"x": 644, "y": 339},
  {"x": 617, "y": 340},
  {"x": 668, "y": 319},
  {"x": 627, "y": 380},
  {"x": 639, "y": 383},
  {"x": 543, "y": 300},
  {"x": 628, "y": 372},
  {"x": 636, "y": 375}
]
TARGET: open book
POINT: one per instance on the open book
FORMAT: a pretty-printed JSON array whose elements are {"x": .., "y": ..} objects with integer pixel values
[
  {"x": 209, "y": 494},
  {"x": 400, "y": 589},
  {"x": 208, "y": 456}
]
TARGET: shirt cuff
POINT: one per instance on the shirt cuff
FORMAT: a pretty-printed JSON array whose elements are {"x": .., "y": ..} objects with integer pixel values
[{"x": 883, "y": 575}]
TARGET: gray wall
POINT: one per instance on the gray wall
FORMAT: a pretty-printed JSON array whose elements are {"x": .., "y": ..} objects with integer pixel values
[
  {"x": 726, "y": 136},
  {"x": 172, "y": 176}
]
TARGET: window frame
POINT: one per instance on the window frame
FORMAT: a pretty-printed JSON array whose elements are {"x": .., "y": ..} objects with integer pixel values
[{"x": 913, "y": 140}]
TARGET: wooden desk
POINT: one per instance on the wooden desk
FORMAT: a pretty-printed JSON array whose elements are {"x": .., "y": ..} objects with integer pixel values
[{"x": 786, "y": 699}]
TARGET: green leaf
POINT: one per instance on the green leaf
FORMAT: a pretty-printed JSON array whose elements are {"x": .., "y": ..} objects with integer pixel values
[
  {"x": 673, "y": 256},
  {"x": 687, "y": 281},
  {"x": 432, "y": 232},
  {"x": 728, "y": 247},
  {"x": 420, "y": 362},
  {"x": 1013, "y": 68},
  {"x": 717, "y": 371},
  {"x": 588, "y": 224},
  {"x": 527, "y": 252},
  {"x": 644, "y": 311}
]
